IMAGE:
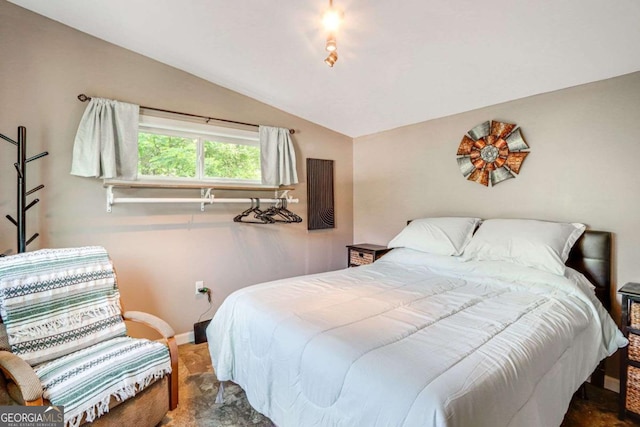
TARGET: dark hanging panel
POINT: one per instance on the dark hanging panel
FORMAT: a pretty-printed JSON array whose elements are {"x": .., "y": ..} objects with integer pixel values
[{"x": 320, "y": 210}]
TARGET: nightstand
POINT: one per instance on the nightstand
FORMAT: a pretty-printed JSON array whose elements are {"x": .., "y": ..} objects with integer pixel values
[
  {"x": 364, "y": 253},
  {"x": 630, "y": 355}
]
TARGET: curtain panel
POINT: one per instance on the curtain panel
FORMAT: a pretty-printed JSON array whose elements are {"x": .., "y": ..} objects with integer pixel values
[
  {"x": 277, "y": 157},
  {"x": 106, "y": 144}
]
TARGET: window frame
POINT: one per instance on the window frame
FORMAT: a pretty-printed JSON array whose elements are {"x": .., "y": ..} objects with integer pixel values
[{"x": 201, "y": 133}]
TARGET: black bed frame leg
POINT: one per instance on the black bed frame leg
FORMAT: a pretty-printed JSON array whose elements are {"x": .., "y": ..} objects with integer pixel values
[{"x": 582, "y": 392}]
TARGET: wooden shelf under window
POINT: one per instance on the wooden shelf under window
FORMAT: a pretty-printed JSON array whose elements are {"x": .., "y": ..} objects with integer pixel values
[
  {"x": 206, "y": 192},
  {"x": 191, "y": 185}
]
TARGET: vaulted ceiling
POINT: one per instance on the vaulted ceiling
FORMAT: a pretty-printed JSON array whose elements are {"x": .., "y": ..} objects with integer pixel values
[{"x": 400, "y": 62}]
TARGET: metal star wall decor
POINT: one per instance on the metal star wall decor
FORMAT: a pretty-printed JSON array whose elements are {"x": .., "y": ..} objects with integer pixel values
[{"x": 492, "y": 152}]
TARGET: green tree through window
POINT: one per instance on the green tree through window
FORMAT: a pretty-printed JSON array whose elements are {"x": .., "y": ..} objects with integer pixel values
[
  {"x": 222, "y": 160},
  {"x": 177, "y": 157},
  {"x": 167, "y": 156}
]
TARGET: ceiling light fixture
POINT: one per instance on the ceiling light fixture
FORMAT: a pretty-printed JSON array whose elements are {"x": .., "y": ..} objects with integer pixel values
[
  {"x": 331, "y": 44},
  {"x": 331, "y": 21},
  {"x": 331, "y": 59}
]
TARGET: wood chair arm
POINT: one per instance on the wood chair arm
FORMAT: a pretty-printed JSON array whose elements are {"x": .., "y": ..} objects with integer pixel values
[
  {"x": 21, "y": 373},
  {"x": 173, "y": 380},
  {"x": 151, "y": 321},
  {"x": 168, "y": 333}
]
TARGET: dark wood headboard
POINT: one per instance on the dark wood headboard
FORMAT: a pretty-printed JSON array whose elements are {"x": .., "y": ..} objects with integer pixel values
[{"x": 591, "y": 256}]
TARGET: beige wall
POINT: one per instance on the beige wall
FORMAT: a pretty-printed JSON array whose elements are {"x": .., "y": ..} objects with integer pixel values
[
  {"x": 159, "y": 250},
  {"x": 583, "y": 167}
]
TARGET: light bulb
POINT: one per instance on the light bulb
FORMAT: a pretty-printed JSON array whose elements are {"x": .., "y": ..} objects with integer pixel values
[
  {"x": 331, "y": 20},
  {"x": 331, "y": 59},
  {"x": 331, "y": 44}
]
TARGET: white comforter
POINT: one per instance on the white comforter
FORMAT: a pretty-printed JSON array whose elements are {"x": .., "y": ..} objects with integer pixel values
[{"x": 413, "y": 340}]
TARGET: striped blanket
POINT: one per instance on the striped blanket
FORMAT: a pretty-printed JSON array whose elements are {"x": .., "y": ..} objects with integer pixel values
[
  {"x": 56, "y": 301},
  {"x": 61, "y": 309},
  {"x": 84, "y": 382}
]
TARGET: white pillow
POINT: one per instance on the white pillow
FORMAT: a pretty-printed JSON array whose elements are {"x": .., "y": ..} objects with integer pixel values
[
  {"x": 441, "y": 236},
  {"x": 538, "y": 244}
]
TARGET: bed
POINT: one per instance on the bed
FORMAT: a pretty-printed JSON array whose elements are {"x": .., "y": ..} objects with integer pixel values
[{"x": 420, "y": 339}]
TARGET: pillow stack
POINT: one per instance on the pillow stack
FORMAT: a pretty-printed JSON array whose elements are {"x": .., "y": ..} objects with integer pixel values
[
  {"x": 440, "y": 236},
  {"x": 543, "y": 245}
]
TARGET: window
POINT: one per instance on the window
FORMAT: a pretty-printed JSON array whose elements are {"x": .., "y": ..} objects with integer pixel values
[{"x": 182, "y": 150}]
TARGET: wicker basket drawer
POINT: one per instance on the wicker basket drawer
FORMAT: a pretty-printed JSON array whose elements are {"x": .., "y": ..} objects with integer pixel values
[
  {"x": 635, "y": 315},
  {"x": 360, "y": 258},
  {"x": 633, "y": 389},
  {"x": 633, "y": 351}
]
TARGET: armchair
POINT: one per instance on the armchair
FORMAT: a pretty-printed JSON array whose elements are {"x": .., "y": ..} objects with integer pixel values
[{"x": 63, "y": 341}]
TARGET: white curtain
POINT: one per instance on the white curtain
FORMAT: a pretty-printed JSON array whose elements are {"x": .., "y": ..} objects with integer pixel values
[
  {"x": 277, "y": 156},
  {"x": 106, "y": 144}
]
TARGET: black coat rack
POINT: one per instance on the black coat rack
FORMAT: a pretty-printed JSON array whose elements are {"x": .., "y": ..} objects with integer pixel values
[{"x": 21, "y": 169}]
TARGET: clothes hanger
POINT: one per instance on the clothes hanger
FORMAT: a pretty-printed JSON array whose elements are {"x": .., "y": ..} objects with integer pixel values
[
  {"x": 275, "y": 213},
  {"x": 293, "y": 217},
  {"x": 258, "y": 214},
  {"x": 238, "y": 218},
  {"x": 279, "y": 212}
]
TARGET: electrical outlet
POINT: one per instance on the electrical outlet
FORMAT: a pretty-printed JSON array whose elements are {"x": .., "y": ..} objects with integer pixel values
[{"x": 199, "y": 285}]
